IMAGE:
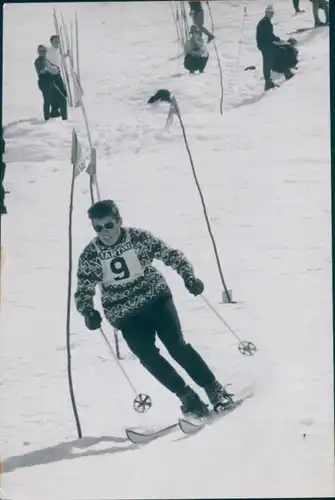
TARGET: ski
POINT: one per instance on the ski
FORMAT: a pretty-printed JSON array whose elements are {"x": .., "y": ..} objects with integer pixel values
[
  {"x": 191, "y": 427},
  {"x": 146, "y": 437},
  {"x": 185, "y": 425},
  {"x": 303, "y": 30}
]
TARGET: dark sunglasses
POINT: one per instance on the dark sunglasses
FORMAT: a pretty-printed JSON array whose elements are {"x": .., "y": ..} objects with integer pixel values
[{"x": 99, "y": 227}]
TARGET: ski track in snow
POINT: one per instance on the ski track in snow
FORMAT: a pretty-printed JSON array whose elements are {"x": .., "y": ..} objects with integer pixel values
[{"x": 265, "y": 173}]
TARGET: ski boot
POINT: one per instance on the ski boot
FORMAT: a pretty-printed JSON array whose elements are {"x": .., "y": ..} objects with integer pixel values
[
  {"x": 288, "y": 74},
  {"x": 269, "y": 84},
  {"x": 218, "y": 396},
  {"x": 192, "y": 406}
]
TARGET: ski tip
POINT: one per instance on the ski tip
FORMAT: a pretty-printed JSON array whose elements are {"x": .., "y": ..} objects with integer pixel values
[{"x": 189, "y": 428}]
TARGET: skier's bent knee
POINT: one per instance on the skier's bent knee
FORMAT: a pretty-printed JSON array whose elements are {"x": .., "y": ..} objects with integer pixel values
[{"x": 179, "y": 350}]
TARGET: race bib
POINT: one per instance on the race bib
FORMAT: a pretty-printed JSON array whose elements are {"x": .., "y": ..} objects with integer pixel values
[{"x": 120, "y": 266}]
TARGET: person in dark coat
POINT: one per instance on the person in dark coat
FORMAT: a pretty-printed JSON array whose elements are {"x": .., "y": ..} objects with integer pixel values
[
  {"x": 196, "y": 54},
  {"x": 266, "y": 39},
  {"x": 197, "y": 14},
  {"x": 285, "y": 56},
  {"x": 46, "y": 73},
  {"x": 296, "y": 6},
  {"x": 323, "y": 5}
]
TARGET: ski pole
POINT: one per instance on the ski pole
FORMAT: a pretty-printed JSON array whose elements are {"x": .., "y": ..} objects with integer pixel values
[
  {"x": 117, "y": 347},
  {"x": 241, "y": 36},
  {"x": 244, "y": 346},
  {"x": 142, "y": 402}
]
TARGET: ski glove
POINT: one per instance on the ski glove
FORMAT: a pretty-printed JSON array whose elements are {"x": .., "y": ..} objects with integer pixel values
[
  {"x": 195, "y": 286},
  {"x": 93, "y": 319}
]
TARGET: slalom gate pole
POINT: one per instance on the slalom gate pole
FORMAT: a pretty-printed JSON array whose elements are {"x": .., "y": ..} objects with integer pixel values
[
  {"x": 241, "y": 36},
  {"x": 69, "y": 291},
  {"x": 218, "y": 60},
  {"x": 216, "y": 253}
]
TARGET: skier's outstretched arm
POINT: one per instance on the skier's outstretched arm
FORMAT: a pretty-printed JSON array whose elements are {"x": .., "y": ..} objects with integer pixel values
[
  {"x": 173, "y": 258},
  {"x": 88, "y": 276}
]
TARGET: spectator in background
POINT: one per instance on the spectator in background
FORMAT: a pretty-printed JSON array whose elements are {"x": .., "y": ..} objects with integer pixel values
[
  {"x": 54, "y": 56},
  {"x": 296, "y": 6},
  {"x": 3, "y": 209},
  {"x": 46, "y": 72},
  {"x": 265, "y": 38},
  {"x": 196, "y": 54},
  {"x": 285, "y": 56},
  {"x": 197, "y": 14},
  {"x": 323, "y": 5},
  {"x": 269, "y": 44}
]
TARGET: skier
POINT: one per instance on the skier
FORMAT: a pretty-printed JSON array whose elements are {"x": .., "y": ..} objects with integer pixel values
[
  {"x": 197, "y": 14},
  {"x": 296, "y": 6},
  {"x": 265, "y": 42},
  {"x": 323, "y": 5},
  {"x": 196, "y": 54},
  {"x": 54, "y": 57},
  {"x": 137, "y": 300}
]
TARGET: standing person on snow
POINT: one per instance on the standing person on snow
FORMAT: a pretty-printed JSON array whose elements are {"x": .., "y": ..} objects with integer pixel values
[
  {"x": 54, "y": 56},
  {"x": 296, "y": 6},
  {"x": 265, "y": 39},
  {"x": 46, "y": 73},
  {"x": 320, "y": 4},
  {"x": 137, "y": 300},
  {"x": 196, "y": 54},
  {"x": 197, "y": 14}
]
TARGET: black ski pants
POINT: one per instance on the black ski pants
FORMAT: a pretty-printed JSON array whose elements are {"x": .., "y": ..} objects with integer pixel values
[
  {"x": 60, "y": 95},
  {"x": 46, "y": 87},
  {"x": 54, "y": 96},
  {"x": 267, "y": 54},
  {"x": 320, "y": 4},
  {"x": 161, "y": 318},
  {"x": 195, "y": 63}
]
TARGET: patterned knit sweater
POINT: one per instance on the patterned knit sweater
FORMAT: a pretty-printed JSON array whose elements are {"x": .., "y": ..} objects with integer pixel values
[{"x": 124, "y": 272}]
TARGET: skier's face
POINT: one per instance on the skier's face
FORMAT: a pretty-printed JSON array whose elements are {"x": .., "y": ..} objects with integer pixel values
[
  {"x": 270, "y": 14},
  {"x": 107, "y": 229}
]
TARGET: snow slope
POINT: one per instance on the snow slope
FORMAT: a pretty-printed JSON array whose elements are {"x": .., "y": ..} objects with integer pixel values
[{"x": 265, "y": 171}]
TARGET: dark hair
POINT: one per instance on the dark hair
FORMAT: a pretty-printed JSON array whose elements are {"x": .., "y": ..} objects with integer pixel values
[
  {"x": 41, "y": 47},
  {"x": 53, "y": 37},
  {"x": 102, "y": 209}
]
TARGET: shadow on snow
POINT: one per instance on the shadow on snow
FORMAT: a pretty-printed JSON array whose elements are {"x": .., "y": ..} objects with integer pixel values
[{"x": 65, "y": 451}]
